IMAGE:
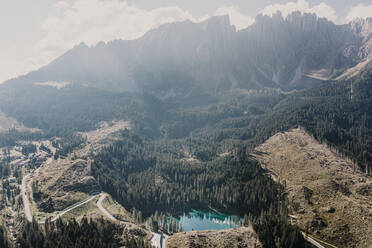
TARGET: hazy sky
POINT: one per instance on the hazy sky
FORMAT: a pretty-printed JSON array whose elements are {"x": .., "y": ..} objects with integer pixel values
[{"x": 35, "y": 32}]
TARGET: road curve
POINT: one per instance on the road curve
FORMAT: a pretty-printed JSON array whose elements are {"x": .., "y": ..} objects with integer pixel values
[
  {"x": 26, "y": 203},
  {"x": 103, "y": 210},
  {"x": 157, "y": 240}
]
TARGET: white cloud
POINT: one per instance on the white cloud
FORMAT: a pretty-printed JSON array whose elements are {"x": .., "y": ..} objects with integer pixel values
[
  {"x": 359, "y": 11},
  {"x": 89, "y": 21},
  {"x": 239, "y": 20},
  {"x": 321, "y": 10},
  {"x": 92, "y": 21}
]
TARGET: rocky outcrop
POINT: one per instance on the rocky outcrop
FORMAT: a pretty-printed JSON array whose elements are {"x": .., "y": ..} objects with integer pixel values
[
  {"x": 295, "y": 52},
  {"x": 363, "y": 28}
]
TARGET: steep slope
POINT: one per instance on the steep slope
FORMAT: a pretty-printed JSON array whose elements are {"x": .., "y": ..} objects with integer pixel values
[
  {"x": 64, "y": 181},
  {"x": 182, "y": 58},
  {"x": 301, "y": 50},
  {"x": 240, "y": 237},
  {"x": 336, "y": 113},
  {"x": 330, "y": 197}
]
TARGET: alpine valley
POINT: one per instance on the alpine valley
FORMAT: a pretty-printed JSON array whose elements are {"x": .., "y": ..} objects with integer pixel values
[{"x": 194, "y": 135}]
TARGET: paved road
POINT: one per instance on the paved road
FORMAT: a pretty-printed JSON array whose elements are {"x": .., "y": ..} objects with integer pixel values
[
  {"x": 68, "y": 209},
  {"x": 26, "y": 202},
  {"x": 103, "y": 210},
  {"x": 316, "y": 243},
  {"x": 157, "y": 240}
]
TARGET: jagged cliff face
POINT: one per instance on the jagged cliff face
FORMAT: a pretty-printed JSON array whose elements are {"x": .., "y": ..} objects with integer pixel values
[
  {"x": 363, "y": 29},
  {"x": 300, "y": 50},
  {"x": 183, "y": 58}
]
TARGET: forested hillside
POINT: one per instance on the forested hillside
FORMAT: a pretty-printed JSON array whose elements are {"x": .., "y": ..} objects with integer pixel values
[
  {"x": 87, "y": 233},
  {"x": 194, "y": 101},
  {"x": 297, "y": 51},
  {"x": 4, "y": 243},
  {"x": 151, "y": 177},
  {"x": 175, "y": 175},
  {"x": 337, "y": 113}
]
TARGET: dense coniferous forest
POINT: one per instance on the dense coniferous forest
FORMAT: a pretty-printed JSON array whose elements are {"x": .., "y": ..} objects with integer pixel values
[
  {"x": 193, "y": 152},
  {"x": 87, "y": 233},
  {"x": 4, "y": 243},
  {"x": 149, "y": 178},
  {"x": 336, "y": 113},
  {"x": 66, "y": 145},
  {"x": 152, "y": 177},
  {"x": 9, "y": 138},
  {"x": 274, "y": 229},
  {"x": 63, "y": 112}
]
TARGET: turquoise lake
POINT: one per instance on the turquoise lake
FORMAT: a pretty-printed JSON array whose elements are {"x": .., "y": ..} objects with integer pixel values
[{"x": 197, "y": 220}]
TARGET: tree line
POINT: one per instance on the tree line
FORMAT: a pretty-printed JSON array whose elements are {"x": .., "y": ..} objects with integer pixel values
[{"x": 86, "y": 233}]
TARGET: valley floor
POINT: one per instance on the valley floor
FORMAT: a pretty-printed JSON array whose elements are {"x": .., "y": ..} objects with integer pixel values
[{"x": 330, "y": 198}]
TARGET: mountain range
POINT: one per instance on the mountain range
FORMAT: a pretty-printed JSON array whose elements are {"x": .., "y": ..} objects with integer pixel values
[
  {"x": 295, "y": 52},
  {"x": 272, "y": 123}
]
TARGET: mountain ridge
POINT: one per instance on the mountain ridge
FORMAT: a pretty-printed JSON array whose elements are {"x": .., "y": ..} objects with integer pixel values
[{"x": 295, "y": 52}]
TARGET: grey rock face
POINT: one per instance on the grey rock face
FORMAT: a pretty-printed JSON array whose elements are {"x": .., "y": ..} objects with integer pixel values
[{"x": 183, "y": 58}]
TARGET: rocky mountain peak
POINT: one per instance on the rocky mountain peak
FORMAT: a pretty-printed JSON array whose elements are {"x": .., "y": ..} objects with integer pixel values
[
  {"x": 295, "y": 52},
  {"x": 217, "y": 23},
  {"x": 362, "y": 26}
]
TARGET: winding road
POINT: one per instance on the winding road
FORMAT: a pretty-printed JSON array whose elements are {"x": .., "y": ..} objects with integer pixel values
[
  {"x": 103, "y": 210},
  {"x": 27, "y": 209},
  {"x": 26, "y": 202},
  {"x": 157, "y": 240}
]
